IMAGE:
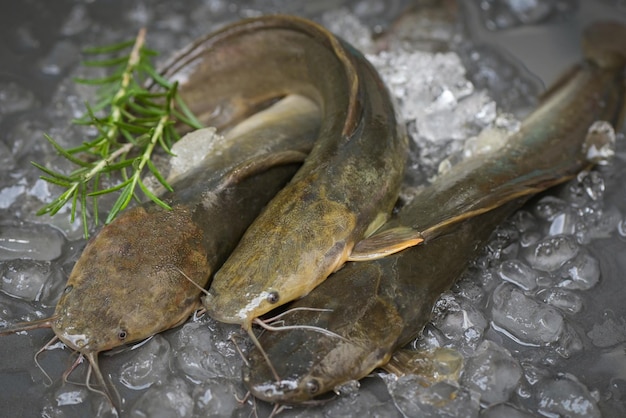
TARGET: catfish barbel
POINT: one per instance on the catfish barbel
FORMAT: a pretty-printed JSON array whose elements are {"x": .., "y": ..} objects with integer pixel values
[{"x": 378, "y": 306}]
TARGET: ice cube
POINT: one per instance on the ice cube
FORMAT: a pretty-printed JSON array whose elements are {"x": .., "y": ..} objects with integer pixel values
[
  {"x": 169, "y": 400},
  {"x": 551, "y": 253},
  {"x": 30, "y": 241},
  {"x": 492, "y": 372},
  {"x": 581, "y": 272},
  {"x": 442, "y": 399},
  {"x": 24, "y": 279},
  {"x": 147, "y": 366},
  {"x": 565, "y": 396},
  {"x": 524, "y": 319},
  {"x": 518, "y": 273}
]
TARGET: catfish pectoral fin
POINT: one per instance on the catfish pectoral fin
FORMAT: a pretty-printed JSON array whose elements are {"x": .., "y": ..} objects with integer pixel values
[
  {"x": 433, "y": 366},
  {"x": 385, "y": 243}
]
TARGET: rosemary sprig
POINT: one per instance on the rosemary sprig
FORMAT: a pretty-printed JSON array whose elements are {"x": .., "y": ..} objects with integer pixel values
[{"x": 137, "y": 122}]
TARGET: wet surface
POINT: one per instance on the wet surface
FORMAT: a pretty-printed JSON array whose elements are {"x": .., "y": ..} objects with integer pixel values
[{"x": 539, "y": 318}]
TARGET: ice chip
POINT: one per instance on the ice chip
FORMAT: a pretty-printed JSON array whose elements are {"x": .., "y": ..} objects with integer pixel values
[
  {"x": 215, "y": 398},
  {"x": 30, "y": 241},
  {"x": 24, "y": 279},
  {"x": 432, "y": 365},
  {"x": 566, "y": 397},
  {"x": 518, "y": 273},
  {"x": 522, "y": 318},
  {"x": 441, "y": 399},
  {"x": 362, "y": 403},
  {"x": 170, "y": 400},
  {"x": 609, "y": 333},
  {"x": 563, "y": 224},
  {"x": 492, "y": 372},
  {"x": 148, "y": 366},
  {"x": 599, "y": 145},
  {"x": 191, "y": 150},
  {"x": 462, "y": 321},
  {"x": 551, "y": 253},
  {"x": 9, "y": 195},
  {"x": 505, "y": 14},
  {"x": 70, "y": 395},
  {"x": 564, "y": 299},
  {"x": 581, "y": 272},
  {"x": 201, "y": 353},
  {"x": 549, "y": 207}
]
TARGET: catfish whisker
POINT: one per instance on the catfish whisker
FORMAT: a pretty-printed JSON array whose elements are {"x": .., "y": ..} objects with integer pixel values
[
  {"x": 244, "y": 399},
  {"x": 92, "y": 358},
  {"x": 93, "y": 389},
  {"x": 261, "y": 350},
  {"x": 288, "y": 311},
  {"x": 278, "y": 408},
  {"x": 243, "y": 356},
  {"x": 44, "y": 348},
  {"x": 294, "y": 327},
  {"x": 202, "y": 289},
  {"x": 68, "y": 372}
]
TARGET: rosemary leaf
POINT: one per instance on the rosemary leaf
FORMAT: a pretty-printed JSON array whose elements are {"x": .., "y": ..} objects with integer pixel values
[
  {"x": 109, "y": 48},
  {"x": 131, "y": 122},
  {"x": 106, "y": 63},
  {"x": 159, "y": 176},
  {"x": 153, "y": 197}
]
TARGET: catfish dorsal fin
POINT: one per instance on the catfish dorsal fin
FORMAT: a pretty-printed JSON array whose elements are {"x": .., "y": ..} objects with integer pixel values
[{"x": 384, "y": 243}]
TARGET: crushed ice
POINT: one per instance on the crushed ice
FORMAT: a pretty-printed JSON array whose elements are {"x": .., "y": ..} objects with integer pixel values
[{"x": 510, "y": 317}]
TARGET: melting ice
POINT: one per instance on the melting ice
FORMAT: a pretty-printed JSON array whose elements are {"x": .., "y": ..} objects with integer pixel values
[{"x": 511, "y": 317}]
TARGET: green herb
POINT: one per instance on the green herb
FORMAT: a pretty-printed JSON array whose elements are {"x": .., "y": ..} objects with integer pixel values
[{"x": 137, "y": 121}]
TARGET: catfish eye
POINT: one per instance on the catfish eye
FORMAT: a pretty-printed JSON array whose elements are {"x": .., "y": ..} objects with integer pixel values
[
  {"x": 272, "y": 297},
  {"x": 68, "y": 289},
  {"x": 122, "y": 334},
  {"x": 312, "y": 386}
]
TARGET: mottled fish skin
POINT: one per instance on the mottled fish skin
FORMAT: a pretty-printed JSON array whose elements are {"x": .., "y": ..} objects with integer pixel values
[
  {"x": 378, "y": 306},
  {"x": 345, "y": 188},
  {"x": 375, "y": 306},
  {"x": 127, "y": 284}
]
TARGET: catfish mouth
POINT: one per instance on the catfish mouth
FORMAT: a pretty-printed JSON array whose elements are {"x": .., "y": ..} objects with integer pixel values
[
  {"x": 74, "y": 341},
  {"x": 289, "y": 391},
  {"x": 222, "y": 311},
  {"x": 212, "y": 304}
]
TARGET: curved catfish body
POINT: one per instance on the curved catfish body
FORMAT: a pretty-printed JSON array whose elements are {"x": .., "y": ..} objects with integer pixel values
[
  {"x": 549, "y": 149},
  {"x": 377, "y": 306},
  {"x": 127, "y": 284},
  {"x": 134, "y": 279},
  {"x": 345, "y": 188}
]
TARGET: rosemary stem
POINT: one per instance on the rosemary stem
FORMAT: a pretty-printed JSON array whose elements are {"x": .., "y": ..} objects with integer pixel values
[{"x": 133, "y": 62}]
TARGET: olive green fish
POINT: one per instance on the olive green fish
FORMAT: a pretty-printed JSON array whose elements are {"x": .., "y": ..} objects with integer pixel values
[
  {"x": 346, "y": 187},
  {"x": 375, "y": 307},
  {"x": 143, "y": 273}
]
